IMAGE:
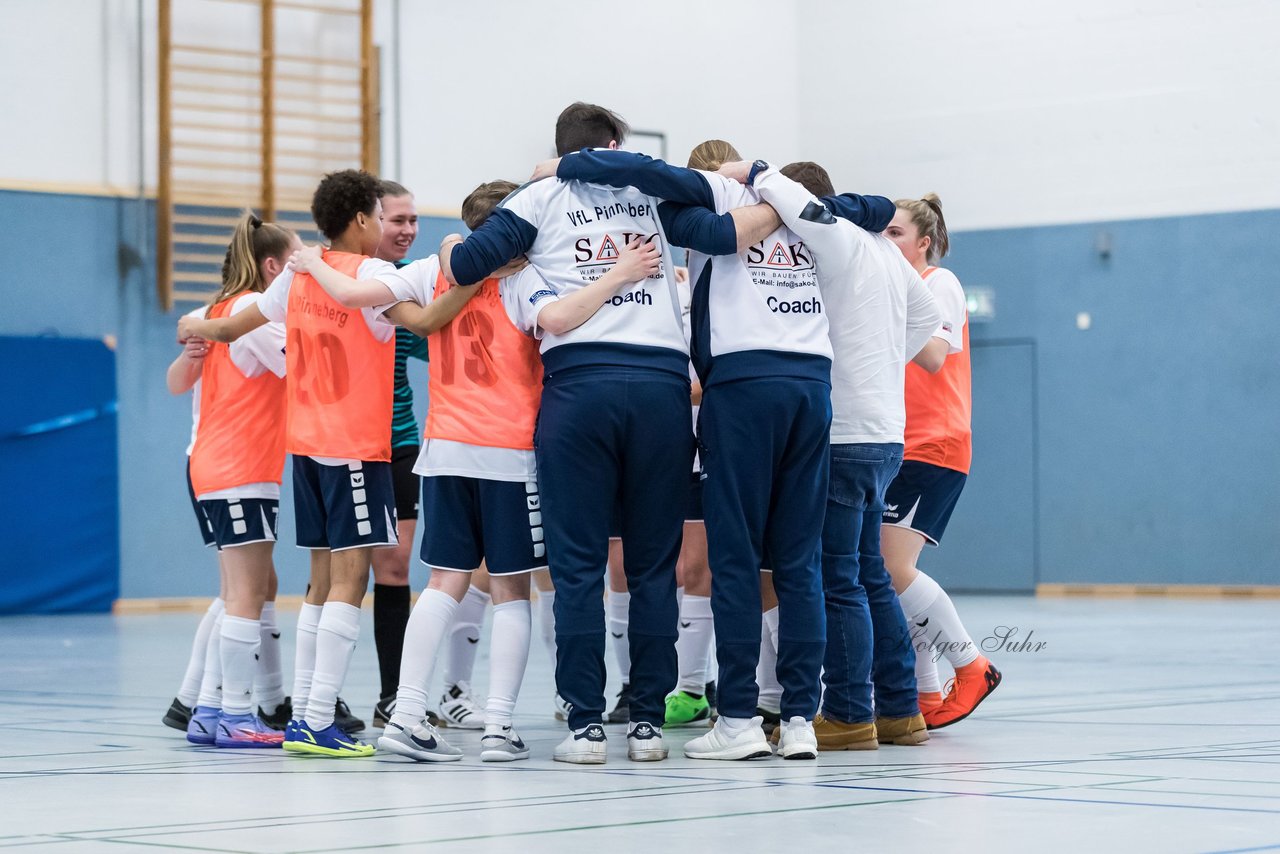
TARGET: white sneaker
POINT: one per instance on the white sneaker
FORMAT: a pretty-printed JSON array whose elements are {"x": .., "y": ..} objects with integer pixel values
[
  {"x": 502, "y": 744},
  {"x": 563, "y": 707},
  {"x": 586, "y": 746},
  {"x": 459, "y": 709},
  {"x": 422, "y": 744},
  {"x": 797, "y": 739},
  {"x": 718, "y": 744},
  {"x": 644, "y": 743}
]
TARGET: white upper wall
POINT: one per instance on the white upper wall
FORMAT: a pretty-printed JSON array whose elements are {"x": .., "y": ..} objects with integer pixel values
[
  {"x": 1016, "y": 113},
  {"x": 484, "y": 82},
  {"x": 1022, "y": 112}
]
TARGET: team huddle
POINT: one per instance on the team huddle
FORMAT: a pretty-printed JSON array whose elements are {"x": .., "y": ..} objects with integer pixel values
[{"x": 753, "y": 447}]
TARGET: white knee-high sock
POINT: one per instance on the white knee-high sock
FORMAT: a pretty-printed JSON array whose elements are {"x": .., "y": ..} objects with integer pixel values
[
  {"x": 619, "y": 613},
  {"x": 767, "y": 669},
  {"x": 464, "y": 637},
  {"x": 240, "y": 640},
  {"x": 932, "y": 614},
  {"x": 190, "y": 690},
  {"x": 547, "y": 622},
  {"x": 268, "y": 680},
  {"x": 304, "y": 661},
  {"x": 430, "y": 618},
  {"x": 211, "y": 683},
  {"x": 693, "y": 643},
  {"x": 508, "y": 657},
  {"x": 336, "y": 638}
]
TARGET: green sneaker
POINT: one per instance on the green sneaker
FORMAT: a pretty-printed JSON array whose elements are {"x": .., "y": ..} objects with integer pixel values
[{"x": 686, "y": 708}]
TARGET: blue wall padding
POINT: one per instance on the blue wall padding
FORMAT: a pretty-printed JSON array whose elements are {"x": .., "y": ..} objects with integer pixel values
[{"x": 60, "y": 535}]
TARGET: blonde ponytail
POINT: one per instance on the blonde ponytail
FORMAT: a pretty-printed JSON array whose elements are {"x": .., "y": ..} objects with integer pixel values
[
  {"x": 926, "y": 213},
  {"x": 252, "y": 242},
  {"x": 712, "y": 154}
]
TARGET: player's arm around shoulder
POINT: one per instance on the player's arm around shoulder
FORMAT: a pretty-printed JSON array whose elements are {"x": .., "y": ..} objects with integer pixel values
[
  {"x": 417, "y": 308},
  {"x": 349, "y": 292},
  {"x": 638, "y": 260}
]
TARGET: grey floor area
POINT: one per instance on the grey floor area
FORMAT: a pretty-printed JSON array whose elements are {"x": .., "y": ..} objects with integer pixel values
[{"x": 1137, "y": 726}]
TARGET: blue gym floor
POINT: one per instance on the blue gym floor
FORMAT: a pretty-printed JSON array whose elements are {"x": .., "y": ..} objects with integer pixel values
[{"x": 1140, "y": 725}]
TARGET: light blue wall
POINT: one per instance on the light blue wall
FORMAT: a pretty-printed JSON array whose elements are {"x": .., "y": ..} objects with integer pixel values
[
  {"x": 74, "y": 271},
  {"x": 1157, "y": 427},
  {"x": 1155, "y": 437}
]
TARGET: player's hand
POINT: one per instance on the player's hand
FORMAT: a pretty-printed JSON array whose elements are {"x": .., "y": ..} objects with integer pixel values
[
  {"x": 682, "y": 275},
  {"x": 305, "y": 260},
  {"x": 545, "y": 169},
  {"x": 639, "y": 260},
  {"x": 186, "y": 329},
  {"x": 195, "y": 349},
  {"x": 736, "y": 170}
]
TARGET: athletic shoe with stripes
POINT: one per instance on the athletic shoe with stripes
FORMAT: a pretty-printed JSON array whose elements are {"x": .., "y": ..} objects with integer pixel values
[
  {"x": 644, "y": 742},
  {"x": 278, "y": 718},
  {"x": 797, "y": 740},
  {"x": 685, "y": 708},
  {"x": 346, "y": 721},
  {"x": 586, "y": 746},
  {"x": 621, "y": 712},
  {"x": 719, "y": 743},
  {"x": 563, "y": 707},
  {"x": 459, "y": 709},
  {"x": 422, "y": 744}
]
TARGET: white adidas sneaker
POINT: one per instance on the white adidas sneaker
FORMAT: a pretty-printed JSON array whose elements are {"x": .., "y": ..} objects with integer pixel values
[
  {"x": 459, "y": 709},
  {"x": 797, "y": 739},
  {"x": 586, "y": 746},
  {"x": 644, "y": 743},
  {"x": 749, "y": 743}
]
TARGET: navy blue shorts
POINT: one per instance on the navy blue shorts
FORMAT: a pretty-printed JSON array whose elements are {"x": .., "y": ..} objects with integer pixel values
[
  {"x": 241, "y": 521},
  {"x": 469, "y": 519},
  {"x": 344, "y": 506},
  {"x": 206, "y": 528},
  {"x": 922, "y": 497}
]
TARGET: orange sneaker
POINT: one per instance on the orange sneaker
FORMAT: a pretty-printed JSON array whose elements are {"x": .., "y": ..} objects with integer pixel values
[
  {"x": 930, "y": 702},
  {"x": 971, "y": 686}
]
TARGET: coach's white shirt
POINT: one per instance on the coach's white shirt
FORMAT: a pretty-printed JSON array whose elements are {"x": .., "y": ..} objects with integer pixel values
[
  {"x": 572, "y": 233},
  {"x": 880, "y": 312}
]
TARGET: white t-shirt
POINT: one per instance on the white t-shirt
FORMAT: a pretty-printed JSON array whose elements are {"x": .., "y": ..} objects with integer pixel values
[
  {"x": 416, "y": 282},
  {"x": 880, "y": 313},
  {"x": 253, "y": 354},
  {"x": 275, "y": 306},
  {"x": 951, "y": 302},
  {"x": 580, "y": 231},
  {"x": 766, "y": 298}
]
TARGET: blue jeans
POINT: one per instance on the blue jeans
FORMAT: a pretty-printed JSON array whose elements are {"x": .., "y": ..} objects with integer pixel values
[{"x": 867, "y": 635}]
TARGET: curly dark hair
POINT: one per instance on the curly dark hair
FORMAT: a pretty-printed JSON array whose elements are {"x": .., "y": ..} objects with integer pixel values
[{"x": 342, "y": 195}]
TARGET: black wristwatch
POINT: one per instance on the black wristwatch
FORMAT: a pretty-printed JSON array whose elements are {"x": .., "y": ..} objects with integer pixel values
[{"x": 756, "y": 168}]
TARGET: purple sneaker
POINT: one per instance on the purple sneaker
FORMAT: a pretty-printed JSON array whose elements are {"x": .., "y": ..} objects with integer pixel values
[
  {"x": 246, "y": 730},
  {"x": 203, "y": 726}
]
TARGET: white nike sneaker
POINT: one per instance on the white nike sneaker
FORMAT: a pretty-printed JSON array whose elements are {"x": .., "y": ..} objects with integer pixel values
[
  {"x": 797, "y": 739},
  {"x": 502, "y": 744},
  {"x": 586, "y": 746},
  {"x": 423, "y": 743},
  {"x": 718, "y": 744},
  {"x": 644, "y": 743},
  {"x": 459, "y": 709}
]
